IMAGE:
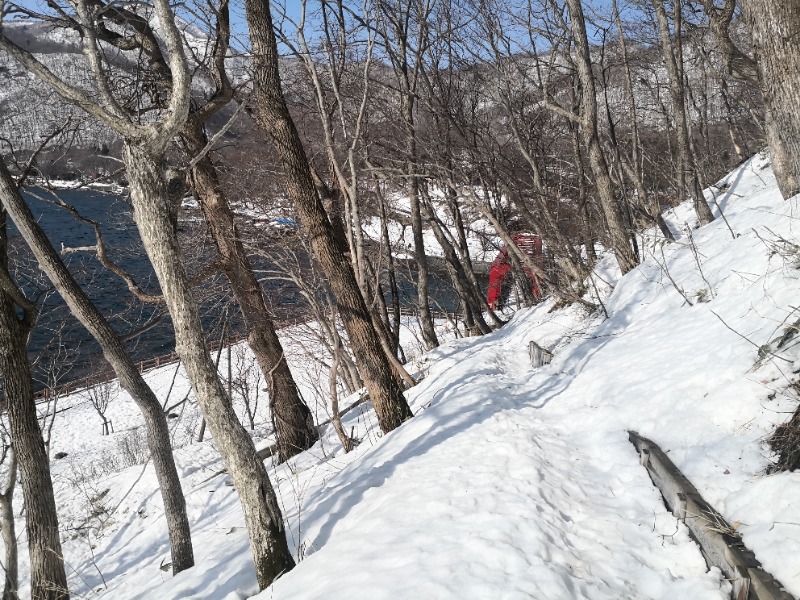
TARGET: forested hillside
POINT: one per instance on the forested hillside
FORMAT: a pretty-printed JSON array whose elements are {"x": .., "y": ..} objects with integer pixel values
[{"x": 382, "y": 205}]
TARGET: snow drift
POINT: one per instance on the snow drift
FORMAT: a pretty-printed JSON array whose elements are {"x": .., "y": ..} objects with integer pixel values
[{"x": 512, "y": 482}]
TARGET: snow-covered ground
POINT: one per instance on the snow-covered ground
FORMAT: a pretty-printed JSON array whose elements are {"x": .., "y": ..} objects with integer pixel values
[
  {"x": 509, "y": 482},
  {"x": 483, "y": 242}
]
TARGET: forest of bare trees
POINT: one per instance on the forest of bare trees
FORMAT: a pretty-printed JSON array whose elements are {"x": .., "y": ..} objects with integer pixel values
[{"x": 576, "y": 122}]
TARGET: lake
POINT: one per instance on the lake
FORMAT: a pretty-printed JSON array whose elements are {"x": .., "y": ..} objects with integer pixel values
[
  {"x": 59, "y": 346},
  {"x": 63, "y": 351}
]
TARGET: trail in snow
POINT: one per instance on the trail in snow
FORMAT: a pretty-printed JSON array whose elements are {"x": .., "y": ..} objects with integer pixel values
[{"x": 513, "y": 482}]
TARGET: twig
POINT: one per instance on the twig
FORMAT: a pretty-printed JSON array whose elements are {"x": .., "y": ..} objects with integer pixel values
[
  {"x": 215, "y": 138},
  {"x": 748, "y": 340},
  {"x": 693, "y": 247},
  {"x": 669, "y": 276}
]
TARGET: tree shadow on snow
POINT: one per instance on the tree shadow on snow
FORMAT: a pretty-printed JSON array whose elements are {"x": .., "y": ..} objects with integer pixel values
[{"x": 334, "y": 503}]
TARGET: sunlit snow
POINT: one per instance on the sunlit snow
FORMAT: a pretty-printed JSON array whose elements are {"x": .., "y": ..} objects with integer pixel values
[{"x": 510, "y": 482}]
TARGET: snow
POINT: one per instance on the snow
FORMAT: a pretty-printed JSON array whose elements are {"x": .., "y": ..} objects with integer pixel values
[
  {"x": 483, "y": 242},
  {"x": 510, "y": 481}
]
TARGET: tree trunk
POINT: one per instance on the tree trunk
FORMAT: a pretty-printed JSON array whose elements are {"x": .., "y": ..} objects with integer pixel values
[
  {"x": 291, "y": 418},
  {"x": 10, "y": 542},
  {"x": 10, "y": 531},
  {"x": 469, "y": 293},
  {"x": 743, "y": 67},
  {"x": 620, "y": 237},
  {"x": 394, "y": 330},
  {"x": 687, "y": 169},
  {"x": 775, "y": 30},
  {"x": 272, "y": 114},
  {"x": 336, "y": 418},
  {"x": 651, "y": 206},
  {"x": 543, "y": 223},
  {"x": 739, "y": 145},
  {"x": 48, "y": 578},
  {"x": 261, "y": 512},
  {"x": 377, "y": 310},
  {"x": 130, "y": 379},
  {"x": 423, "y": 301}
]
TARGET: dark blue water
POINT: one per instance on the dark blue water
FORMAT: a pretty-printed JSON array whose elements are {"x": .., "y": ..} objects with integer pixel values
[
  {"x": 61, "y": 349},
  {"x": 59, "y": 346}
]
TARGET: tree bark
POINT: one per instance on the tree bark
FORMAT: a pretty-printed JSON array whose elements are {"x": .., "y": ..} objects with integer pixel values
[
  {"x": 291, "y": 418},
  {"x": 618, "y": 233},
  {"x": 48, "y": 577},
  {"x": 744, "y": 67},
  {"x": 9, "y": 529},
  {"x": 272, "y": 114},
  {"x": 114, "y": 351},
  {"x": 9, "y": 533},
  {"x": 259, "y": 504},
  {"x": 775, "y": 30}
]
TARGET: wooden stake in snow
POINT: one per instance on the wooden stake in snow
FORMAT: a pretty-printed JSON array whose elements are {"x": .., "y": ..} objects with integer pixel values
[{"x": 539, "y": 356}]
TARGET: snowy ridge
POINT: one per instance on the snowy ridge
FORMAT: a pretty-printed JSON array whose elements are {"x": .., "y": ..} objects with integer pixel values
[{"x": 512, "y": 482}]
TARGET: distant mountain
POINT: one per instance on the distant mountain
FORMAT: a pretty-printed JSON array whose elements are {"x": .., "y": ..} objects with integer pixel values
[{"x": 30, "y": 111}]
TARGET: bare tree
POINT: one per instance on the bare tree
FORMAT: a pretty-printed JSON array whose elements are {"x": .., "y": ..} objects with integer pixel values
[
  {"x": 51, "y": 370},
  {"x": 721, "y": 20},
  {"x": 114, "y": 351},
  {"x": 245, "y": 381},
  {"x": 335, "y": 76},
  {"x": 292, "y": 419},
  {"x": 144, "y": 148},
  {"x": 17, "y": 316},
  {"x": 7, "y": 525},
  {"x": 403, "y": 26},
  {"x": 633, "y": 168},
  {"x": 272, "y": 114},
  {"x": 100, "y": 395},
  {"x": 348, "y": 443},
  {"x": 588, "y": 121},
  {"x": 673, "y": 59},
  {"x": 548, "y": 75}
]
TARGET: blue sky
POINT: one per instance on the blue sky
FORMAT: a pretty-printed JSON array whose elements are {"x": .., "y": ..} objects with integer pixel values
[{"x": 238, "y": 22}]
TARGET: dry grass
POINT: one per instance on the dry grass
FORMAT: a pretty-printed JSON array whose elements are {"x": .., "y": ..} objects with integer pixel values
[{"x": 785, "y": 442}]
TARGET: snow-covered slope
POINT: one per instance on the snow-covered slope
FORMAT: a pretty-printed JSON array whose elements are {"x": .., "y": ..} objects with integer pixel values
[
  {"x": 512, "y": 482},
  {"x": 30, "y": 111}
]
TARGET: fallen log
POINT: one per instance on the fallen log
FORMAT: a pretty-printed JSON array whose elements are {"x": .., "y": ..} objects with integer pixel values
[{"x": 720, "y": 544}]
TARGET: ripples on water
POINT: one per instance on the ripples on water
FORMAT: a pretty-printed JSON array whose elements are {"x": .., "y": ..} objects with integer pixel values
[
  {"x": 59, "y": 346},
  {"x": 62, "y": 349}
]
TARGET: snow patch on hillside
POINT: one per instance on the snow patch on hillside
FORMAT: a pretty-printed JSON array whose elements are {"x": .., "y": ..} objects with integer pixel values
[{"x": 511, "y": 482}]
